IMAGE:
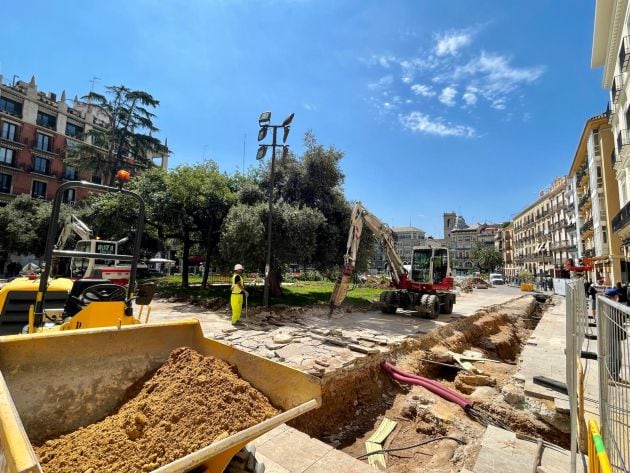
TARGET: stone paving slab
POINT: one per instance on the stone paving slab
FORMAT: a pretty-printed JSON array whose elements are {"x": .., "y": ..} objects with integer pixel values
[
  {"x": 547, "y": 358},
  {"x": 285, "y": 449},
  {"x": 502, "y": 452}
]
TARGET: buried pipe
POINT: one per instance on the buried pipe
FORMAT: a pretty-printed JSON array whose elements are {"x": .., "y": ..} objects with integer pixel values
[
  {"x": 429, "y": 384},
  {"x": 484, "y": 418}
]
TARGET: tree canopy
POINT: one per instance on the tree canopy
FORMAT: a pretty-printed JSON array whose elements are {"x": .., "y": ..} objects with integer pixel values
[
  {"x": 123, "y": 139},
  {"x": 486, "y": 257}
]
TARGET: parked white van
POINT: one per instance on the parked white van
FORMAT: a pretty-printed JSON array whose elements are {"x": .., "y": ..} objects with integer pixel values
[{"x": 496, "y": 279}]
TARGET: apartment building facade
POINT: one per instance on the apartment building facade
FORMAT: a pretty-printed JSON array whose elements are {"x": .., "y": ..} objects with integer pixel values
[
  {"x": 36, "y": 129},
  {"x": 597, "y": 201},
  {"x": 611, "y": 51},
  {"x": 541, "y": 239},
  {"x": 461, "y": 238}
]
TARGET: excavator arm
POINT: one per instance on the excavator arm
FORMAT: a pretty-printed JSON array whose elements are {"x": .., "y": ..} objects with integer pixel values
[
  {"x": 73, "y": 224},
  {"x": 361, "y": 216}
]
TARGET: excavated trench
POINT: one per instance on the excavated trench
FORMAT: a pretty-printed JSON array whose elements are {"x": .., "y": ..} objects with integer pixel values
[{"x": 355, "y": 402}]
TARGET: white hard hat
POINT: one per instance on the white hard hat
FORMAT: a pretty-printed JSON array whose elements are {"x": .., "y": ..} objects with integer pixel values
[{"x": 237, "y": 267}]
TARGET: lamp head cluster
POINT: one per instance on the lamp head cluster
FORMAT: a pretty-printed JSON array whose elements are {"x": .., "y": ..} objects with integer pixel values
[{"x": 264, "y": 122}]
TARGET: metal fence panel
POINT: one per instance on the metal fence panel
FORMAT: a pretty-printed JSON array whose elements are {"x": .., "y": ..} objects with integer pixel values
[
  {"x": 576, "y": 325},
  {"x": 614, "y": 377}
]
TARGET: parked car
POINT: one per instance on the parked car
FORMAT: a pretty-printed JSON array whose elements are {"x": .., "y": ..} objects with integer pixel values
[{"x": 496, "y": 279}]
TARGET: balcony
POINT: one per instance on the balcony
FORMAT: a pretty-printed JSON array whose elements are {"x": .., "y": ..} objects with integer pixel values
[
  {"x": 624, "y": 54},
  {"x": 584, "y": 199},
  {"x": 587, "y": 226},
  {"x": 623, "y": 142},
  {"x": 570, "y": 226},
  {"x": 622, "y": 219},
  {"x": 589, "y": 253},
  {"x": 617, "y": 87}
]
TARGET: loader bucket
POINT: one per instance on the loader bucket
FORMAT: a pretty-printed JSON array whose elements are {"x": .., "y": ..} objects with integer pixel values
[{"x": 53, "y": 383}]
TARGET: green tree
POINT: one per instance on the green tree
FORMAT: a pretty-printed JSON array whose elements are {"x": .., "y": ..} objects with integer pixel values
[
  {"x": 294, "y": 235},
  {"x": 486, "y": 257},
  {"x": 306, "y": 187},
  {"x": 123, "y": 138},
  {"x": 187, "y": 204},
  {"x": 24, "y": 222}
]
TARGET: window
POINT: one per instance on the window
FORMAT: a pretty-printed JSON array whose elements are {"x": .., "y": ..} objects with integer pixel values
[
  {"x": 6, "y": 156},
  {"x": 605, "y": 235},
  {"x": 596, "y": 143},
  {"x": 10, "y": 107},
  {"x": 41, "y": 165},
  {"x": 49, "y": 121},
  {"x": 9, "y": 131},
  {"x": 73, "y": 130},
  {"x": 39, "y": 190},
  {"x": 42, "y": 142},
  {"x": 71, "y": 173},
  {"x": 69, "y": 196},
  {"x": 5, "y": 183}
]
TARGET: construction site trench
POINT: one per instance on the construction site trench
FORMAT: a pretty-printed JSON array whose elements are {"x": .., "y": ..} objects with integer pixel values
[{"x": 355, "y": 401}]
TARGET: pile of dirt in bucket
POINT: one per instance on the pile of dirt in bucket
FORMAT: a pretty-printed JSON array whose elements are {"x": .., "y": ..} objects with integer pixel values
[{"x": 189, "y": 403}]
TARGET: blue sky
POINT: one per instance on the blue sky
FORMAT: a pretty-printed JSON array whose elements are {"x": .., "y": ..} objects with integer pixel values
[{"x": 470, "y": 106}]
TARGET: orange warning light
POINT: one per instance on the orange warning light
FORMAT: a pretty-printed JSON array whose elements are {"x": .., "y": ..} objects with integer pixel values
[{"x": 123, "y": 175}]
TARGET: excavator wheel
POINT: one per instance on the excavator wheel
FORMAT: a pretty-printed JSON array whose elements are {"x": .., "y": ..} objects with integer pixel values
[
  {"x": 447, "y": 307},
  {"x": 390, "y": 302},
  {"x": 432, "y": 306}
]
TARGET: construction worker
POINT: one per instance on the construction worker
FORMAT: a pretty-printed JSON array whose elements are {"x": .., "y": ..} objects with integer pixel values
[{"x": 238, "y": 291}]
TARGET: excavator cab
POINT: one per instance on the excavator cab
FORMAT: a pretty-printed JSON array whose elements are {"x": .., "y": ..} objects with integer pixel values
[{"x": 429, "y": 265}]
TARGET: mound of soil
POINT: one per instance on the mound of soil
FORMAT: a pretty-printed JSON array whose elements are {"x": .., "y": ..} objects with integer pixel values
[{"x": 190, "y": 402}]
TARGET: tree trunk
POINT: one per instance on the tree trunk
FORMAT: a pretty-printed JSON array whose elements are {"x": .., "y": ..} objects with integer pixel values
[
  {"x": 275, "y": 290},
  {"x": 206, "y": 266},
  {"x": 185, "y": 262}
]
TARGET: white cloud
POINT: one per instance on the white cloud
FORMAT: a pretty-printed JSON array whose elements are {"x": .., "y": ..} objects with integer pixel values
[
  {"x": 470, "y": 96},
  {"x": 496, "y": 67},
  {"x": 421, "y": 89},
  {"x": 382, "y": 84},
  {"x": 449, "y": 43},
  {"x": 421, "y": 123},
  {"x": 310, "y": 107},
  {"x": 447, "y": 96}
]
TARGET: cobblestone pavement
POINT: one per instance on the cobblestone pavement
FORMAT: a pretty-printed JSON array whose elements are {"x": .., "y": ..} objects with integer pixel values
[{"x": 309, "y": 340}]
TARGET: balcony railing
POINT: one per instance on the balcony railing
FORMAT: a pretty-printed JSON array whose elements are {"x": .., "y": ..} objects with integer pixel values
[
  {"x": 623, "y": 141},
  {"x": 624, "y": 54},
  {"x": 588, "y": 225},
  {"x": 589, "y": 253},
  {"x": 617, "y": 86},
  {"x": 622, "y": 218},
  {"x": 584, "y": 199}
]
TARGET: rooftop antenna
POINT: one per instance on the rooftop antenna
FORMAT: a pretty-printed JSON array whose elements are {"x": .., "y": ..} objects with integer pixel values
[{"x": 91, "y": 81}]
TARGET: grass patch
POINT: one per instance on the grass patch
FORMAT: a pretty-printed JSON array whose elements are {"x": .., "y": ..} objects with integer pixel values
[{"x": 297, "y": 294}]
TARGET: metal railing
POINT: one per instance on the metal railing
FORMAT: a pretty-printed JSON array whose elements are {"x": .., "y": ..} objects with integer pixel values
[
  {"x": 576, "y": 327},
  {"x": 614, "y": 375},
  {"x": 622, "y": 218}
]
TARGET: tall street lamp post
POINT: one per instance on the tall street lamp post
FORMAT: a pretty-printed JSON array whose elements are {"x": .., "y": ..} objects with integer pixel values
[{"x": 264, "y": 123}]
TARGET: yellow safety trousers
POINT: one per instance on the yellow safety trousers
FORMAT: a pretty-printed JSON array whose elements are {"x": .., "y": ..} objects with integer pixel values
[{"x": 236, "y": 301}]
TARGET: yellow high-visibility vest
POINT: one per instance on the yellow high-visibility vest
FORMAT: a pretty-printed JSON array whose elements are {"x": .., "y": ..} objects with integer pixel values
[{"x": 235, "y": 288}]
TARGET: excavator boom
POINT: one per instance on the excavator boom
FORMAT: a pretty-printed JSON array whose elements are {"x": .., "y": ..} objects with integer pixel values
[{"x": 361, "y": 216}]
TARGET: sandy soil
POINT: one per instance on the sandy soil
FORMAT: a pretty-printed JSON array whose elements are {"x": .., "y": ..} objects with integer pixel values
[{"x": 190, "y": 402}]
